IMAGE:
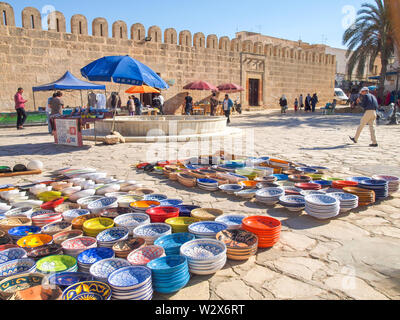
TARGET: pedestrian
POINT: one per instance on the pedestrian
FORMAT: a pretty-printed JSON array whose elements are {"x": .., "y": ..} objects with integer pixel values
[
  {"x": 188, "y": 104},
  {"x": 296, "y": 105},
  {"x": 20, "y": 108},
  {"x": 314, "y": 102},
  {"x": 56, "y": 106},
  {"x": 370, "y": 105},
  {"x": 301, "y": 102},
  {"x": 283, "y": 103},
  {"x": 162, "y": 101},
  {"x": 48, "y": 113},
  {"x": 227, "y": 104},
  {"x": 131, "y": 106},
  {"x": 308, "y": 103},
  {"x": 213, "y": 103},
  {"x": 138, "y": 106}
]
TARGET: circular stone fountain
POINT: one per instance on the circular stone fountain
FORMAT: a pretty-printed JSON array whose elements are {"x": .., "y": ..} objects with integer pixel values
[{"x": 163, "y": 128}]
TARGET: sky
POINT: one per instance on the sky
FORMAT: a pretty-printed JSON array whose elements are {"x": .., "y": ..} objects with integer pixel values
[{"x": 312, "y": 21}]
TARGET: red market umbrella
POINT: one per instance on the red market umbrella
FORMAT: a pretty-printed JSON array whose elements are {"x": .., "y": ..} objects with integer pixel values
[
  {"x": 200, "y": 85},
  {"x": 230, "y": 88}
]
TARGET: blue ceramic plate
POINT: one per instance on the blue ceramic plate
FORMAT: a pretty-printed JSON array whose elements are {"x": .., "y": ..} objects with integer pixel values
[
  {"x": 66, "y": 279},
  {"x": 130, "y": 277},
  {"x": 207, "y": 181},
  {"x": 102, "y": 203},
  {"x": 171, "y": 203},
  {"x": 374, "y": 183},
  {"x": 155, "y": 197},
  {"x": 281, "y": 177},
  {"x": 94, "y": 255},
  {"x": 321, "y": 200},
  {"x": 231, "y": 188},
  {"x": 345, "y": 197},
  {"x": 174, "y": 241},
  {"x": 186, "y": 210},
  {"x": 89, "y": 290},
  {"x": 168, "y": 265},
  {"x": 207, "y": 227},
  {"x": 204, "y": 250},
  {"x": 12, "y": 254},
  {"x": 72, "y": 214},
  {"x": 113, "y": 234},
  {"x": 153, "y": 230},
  {"x": 23, "y": 231},
  {"x": 132, "y": 219},
  {"x": 358, "y": 179},
  {"x": 270, "y": 192},
  {"x": 14, "y": 267},
  {"x": 307, "y": 170},
  {"x": 232, "y": 220},
  {"x": 293, "y": 200}
]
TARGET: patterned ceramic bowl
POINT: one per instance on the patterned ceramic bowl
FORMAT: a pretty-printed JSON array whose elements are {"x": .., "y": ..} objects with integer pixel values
[
  {"x": 204, "y": 250},
  {"x": 142, "y": 256},
  {"x": 102, "y": 204},
  {"x": 12, "y": 254},
  {"x": 89, "y": 290},
  {"x": 14, "y": 267},
  {"x": 101, "y": 270}
]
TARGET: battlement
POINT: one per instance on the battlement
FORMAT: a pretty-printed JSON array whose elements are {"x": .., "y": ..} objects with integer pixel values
[{"x": 32, "y": 20}]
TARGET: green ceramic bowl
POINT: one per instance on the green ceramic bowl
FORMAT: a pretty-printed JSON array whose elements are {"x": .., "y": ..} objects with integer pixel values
[{"x": 56, "y": 264}]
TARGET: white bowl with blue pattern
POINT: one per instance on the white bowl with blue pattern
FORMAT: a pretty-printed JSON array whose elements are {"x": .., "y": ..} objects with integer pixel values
[
  {"x": 109, "y": 237},
  {"x": 233, "y": 221},
  {"x": 18, "y": 266},
  {"x": 207, "y": 228},
  {"x": 12, "y": 254},
  {"x": 151, "y": 232},
  {"x": 101, "y": 270},
  {"x": 102, "y": 204},
  {"x": 204, "y": 250}
]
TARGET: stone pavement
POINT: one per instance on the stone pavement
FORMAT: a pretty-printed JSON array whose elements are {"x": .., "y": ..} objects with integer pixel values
[{"x": 355, "y": 256}]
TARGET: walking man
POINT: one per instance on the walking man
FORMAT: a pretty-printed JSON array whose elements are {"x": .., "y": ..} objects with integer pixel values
[
  {"x": 370, "y": 105},
  {"x": 213, "y": 104},
  {"x": 20, "y": 108},
  {"x": 227, "y": 104}
]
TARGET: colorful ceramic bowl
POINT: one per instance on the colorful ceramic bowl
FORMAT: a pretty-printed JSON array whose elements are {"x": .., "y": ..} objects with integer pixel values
[
  {"x": 88, "y": 290},
  {"x": 18, "y": 266},
  {"x": 13, "y": 284},
  {"x": 56, "y": 264},
  {"x": 34, "y": 241},
  {"x": 142, "y": 256}
]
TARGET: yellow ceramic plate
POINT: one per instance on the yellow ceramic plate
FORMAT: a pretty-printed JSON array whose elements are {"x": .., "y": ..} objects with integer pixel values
[
  {"x": 98, "y": 224},
  {"x": 34, "y": 241}
]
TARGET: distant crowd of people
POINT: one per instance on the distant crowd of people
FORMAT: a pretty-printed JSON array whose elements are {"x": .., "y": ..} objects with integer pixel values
[{"x": 309, "y": 104}]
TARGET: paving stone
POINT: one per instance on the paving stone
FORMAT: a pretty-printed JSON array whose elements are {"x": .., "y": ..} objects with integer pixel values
[
  {"x": 302, "y": 268},
  {"x": 297, "y": 241},
  {"x": 259, "y": 275},
  {"x": 233, "y": 290},
  {"x": 288, "y": 288}
]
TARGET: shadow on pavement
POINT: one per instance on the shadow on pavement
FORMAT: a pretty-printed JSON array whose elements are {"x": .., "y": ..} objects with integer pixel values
[{"x": 44, "y": 149}]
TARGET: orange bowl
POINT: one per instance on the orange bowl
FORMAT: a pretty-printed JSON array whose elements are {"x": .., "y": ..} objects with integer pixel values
[
  {"x": 249, "y": 184},
  {"x": 34, "y": 241}
]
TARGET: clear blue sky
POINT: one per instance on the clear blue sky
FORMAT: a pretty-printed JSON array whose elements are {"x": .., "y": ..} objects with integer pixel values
[{"x": 314, "y": 21}]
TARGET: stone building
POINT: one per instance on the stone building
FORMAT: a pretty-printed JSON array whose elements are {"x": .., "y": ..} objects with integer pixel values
[{"x": 30, "y": 56}]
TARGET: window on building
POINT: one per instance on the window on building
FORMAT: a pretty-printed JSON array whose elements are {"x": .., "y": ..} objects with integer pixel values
[
  {"x": 32, "y": 22},
  {"x": 80, "y": 27},
  {"x": 120, "y": 32},
  {"x": 172, "y": 39},
  {"x": 156, "y": 36},
  {"x": 187, "y": 40},
  {"x": 4, "y": 17},
  {"x": 138, "y": 34},
  {"x": 101, "y": 30},
  {"x": 58, "y": 25}
]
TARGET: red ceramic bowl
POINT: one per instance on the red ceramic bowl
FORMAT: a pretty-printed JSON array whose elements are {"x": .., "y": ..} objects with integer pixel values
[
  {"x": 52, "y": 204},
  {"x": 308, "y": 186},
  {"x": 142, "y": 165},
  {"x": 160, "y": 214},
  {"x": 261, "y": 223},
  {"x": 344, "y": 184}
]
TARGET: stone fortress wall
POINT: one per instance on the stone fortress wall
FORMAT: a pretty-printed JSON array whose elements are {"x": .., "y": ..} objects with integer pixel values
[{"x": 30, "y": 56}]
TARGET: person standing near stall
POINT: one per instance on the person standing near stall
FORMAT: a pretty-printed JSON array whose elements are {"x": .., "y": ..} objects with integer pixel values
[
  {"x": 20, "y": 108},
  {"x": 227, "y": 105},
  {"x": 56, "y": 106},
  {"x": 213, "y": 104},
  {"x": 188, "y": 104}
]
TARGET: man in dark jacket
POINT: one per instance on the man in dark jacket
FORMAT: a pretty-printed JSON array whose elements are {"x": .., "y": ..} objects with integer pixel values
[{"x": 314, "y": 101}]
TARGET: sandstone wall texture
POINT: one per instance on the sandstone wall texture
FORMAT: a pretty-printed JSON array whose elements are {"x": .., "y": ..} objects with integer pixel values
[{"x": 30, "y": 56}]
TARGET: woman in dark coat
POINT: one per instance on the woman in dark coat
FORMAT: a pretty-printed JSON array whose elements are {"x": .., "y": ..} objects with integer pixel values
[{"x": 314, "y": 102}]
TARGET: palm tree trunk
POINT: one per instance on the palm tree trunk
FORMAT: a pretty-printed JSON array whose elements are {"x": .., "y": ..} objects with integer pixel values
[{"x": 382, "y": 79}]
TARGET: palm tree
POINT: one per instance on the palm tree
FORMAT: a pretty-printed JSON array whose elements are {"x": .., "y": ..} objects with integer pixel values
[{"x": 368, "y": 38}]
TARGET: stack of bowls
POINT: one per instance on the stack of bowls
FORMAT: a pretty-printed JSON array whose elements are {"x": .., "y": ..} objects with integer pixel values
[
  {"x": 93, "y": 227},
  {"x": 347, "y": 201},
  {"x": 394, "y": 182},
  {"x": 17, "y": 266},
  {"x": 169, "y": 274},
  {"x": 233, "y": 221},
  {"x": 322, "y": 206},
  {"x": 205, "y": 256},
  {"x": 34, "y": 241},
  {"x": 87, "y": 290},
  {"x": 358, "y": 179},
  {"x": 230, "y": 188},
  {"x": 160, "y": 214},
  {"x": 60, "y": 237},
  {"x": 172, "y": 243},
  {"x": 246, "y": 194},
  {"x": 268, "y": 230},
  {"x": 208, "y": 184},
  {"x": 240, "y": 244},
  {"x": 12, "y": 254},
  {"x": 19, "y": 232},
  {"x": 180, "y": 224},
  {"x": 123, "y": 248},
  {"x": 343, "y": 184},
  {"x": 89, "y": 257},
  {"x": 70, "y": 215},
  {"x": 269, "y": 196},
  {"x": 380, "y": 187},
  {"x": 308, "y": 186},
  {"x": 171, "y": 203},
  {"x": 207, "y": 229},
  {"x": 293, "y": 203},
  {"x": 186, "y": 210},
  {"x": 102, "y": 269},
  {"x": 206, "y": 214},
  {"x": 73, "y": 247},
  {"x": 41, "y": 219},
  {"x": 102, "y": 204},
  {"x": 365, "y": 197},
  {"x": 56, "y": 227},
  {"x": 132, "y": 221},
  {"x": 109, "y": 237},
  {"x": 57, "y": 264},
  {"x": 144, "y": 205},
  {"x": 142, "y": 256},
  {"x": 152, "y": 232},
  {"x": 131, "y": 283},
  {"x": 84, "y": 202}
]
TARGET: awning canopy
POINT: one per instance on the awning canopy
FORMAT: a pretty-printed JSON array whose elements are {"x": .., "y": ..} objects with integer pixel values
[
  {"x": 69, "y": 82},
  {"x": 393, "y": 73}
]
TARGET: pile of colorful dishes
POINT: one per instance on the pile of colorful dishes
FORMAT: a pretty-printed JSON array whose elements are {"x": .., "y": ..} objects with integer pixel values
[
  {"x": 366, "y": 197},
  {"x": 343, "y": 184},
  {"x": 67, "y": 279},
  {"x": 233, "y": 221},
  {"x": 34, "y": 241},
  {"x": 87, "y": 290},
  {"x": 208, "y": 184},
  {"x": 172, "y": 243},
  {"x": 102, "y": 269},
  {"x": 205, "y": 256},
  {"x": 267, "y": 230},
  {"x": 41, "y": 218},
  {"x": 186, "y": 210},
  {"x": 142, "y": 256},
  {"x": 109, "y": 237},
  {"x": 308, "y": 186},
  {"x": 152, "y": 232},
  {"x": 380, "y": 187},
  {"x": 132, "y": 221},
  {"x": 348, "y": 201},
  {"x": 322, "y": 206},
  {"x": 269, "y": 196},
  {"x": 94, "y": 226},
  {"x": 89, "y": 257},
  {"x": 169, "y": 274},
  {"x": 230, "y": 188},
  {"x": 394, "y": 182},
  {"x": 206, "y": 214},
  {"x": 73, "y": 247},
  {"x": 293, "y": 203},
  {"x": 207, "y": 229},
  {"x": 12, "y": 254},
  {"x": 57, "y": 264},
  {"x": 160, "y": 214},
  {"x": 17, "y": 266},
  {"x": 181, "y": 224},
  {"x": 240, "y": 244},
  {"x": 19, "y": 232},
  {"x": 123, "y": 248},
  {"x": 131, "y": 283}
]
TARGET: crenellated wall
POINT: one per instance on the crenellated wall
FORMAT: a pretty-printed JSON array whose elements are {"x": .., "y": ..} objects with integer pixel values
[{"x": 30, "y": 56}]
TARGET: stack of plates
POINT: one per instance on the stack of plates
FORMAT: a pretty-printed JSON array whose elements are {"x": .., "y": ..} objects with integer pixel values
[
  {"x": 20, "y": 232},
  {"x": 207, "y": 229},
  {"x": 93, "y": 227},
  {"x": 358, "y": 179},
  {"x": 240, "y": 244},
  {"x": 12, "y": 254},
  {"x": 40, "y": 219},
  {"x": 269, "y": 196},
  {"x": 132, "y": 221},
  {"x": 208, "y": 184},
  {"x": 169, "y": 274},
  {"x": 57, "y": 264},
  {"x": 348, "y": 201},
  {"x": 17, "y": 266},
  {"x": 293, "y": 203},
  {"x": 160, "y": 214},
  {"x": 268, "y": 230},
  {"x": 109, "y": 237},
  {"x": 394, "y": 182},
  {"x": 102, "y": 269},
  {"x": 142, "y": 256},
  {"x": 380, "y": 187},
  {"x": 205, "y": 256},
  {"x": 233, "y": 221},
  {"x": 322, "y": 206},
  {"x": 343, "y": 184},
  {"x": 306, "y": 193},
  {"x": 186, "y": 210},
  {"x": 181, "y": 224},
  {"x": 123, "y": 248},
  {"x": 366, "y": 197},
  {"x": 206, "y": 214},
  {"x": 91, "y": 256},
  {"x": 131, "y": 283},
  {"x": 172, "y": 243},
  {"x": 230, "y": 188},
  {"x": 73, "y": 247},
  {"x": 152, "y": 232},
  {"x": 308, "y": 186}
]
